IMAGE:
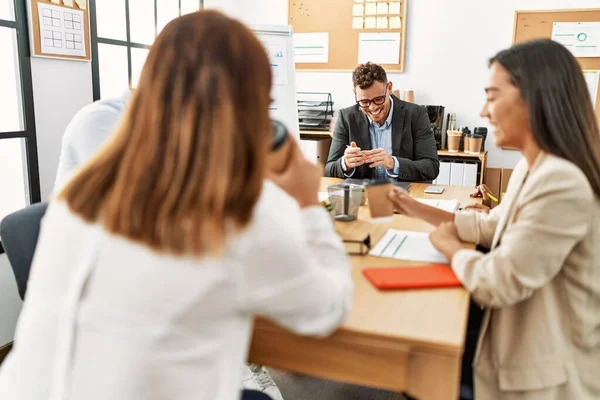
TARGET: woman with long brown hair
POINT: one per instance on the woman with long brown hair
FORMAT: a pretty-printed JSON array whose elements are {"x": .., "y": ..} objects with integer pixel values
[
  {"x": 156, "y": 255},
  {"x": 540, "y": 282}
]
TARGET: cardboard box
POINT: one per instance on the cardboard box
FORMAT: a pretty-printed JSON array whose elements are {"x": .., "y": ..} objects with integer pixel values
[
  {"x": 497, "y": 180},
  {"x": 506, "y": 173}
]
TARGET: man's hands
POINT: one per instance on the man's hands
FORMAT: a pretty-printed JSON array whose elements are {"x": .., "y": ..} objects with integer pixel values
[
  {"x": 378, "y": 157},
  {"x": 355, "y": 157}
]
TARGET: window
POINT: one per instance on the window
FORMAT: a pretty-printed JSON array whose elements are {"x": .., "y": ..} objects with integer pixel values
[
  {"x": 122, "y": 32},
  {"x": 20, "y": 182}
]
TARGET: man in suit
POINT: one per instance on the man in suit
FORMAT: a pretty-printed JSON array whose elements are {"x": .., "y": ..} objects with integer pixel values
[{"x": 381, "y": 136}]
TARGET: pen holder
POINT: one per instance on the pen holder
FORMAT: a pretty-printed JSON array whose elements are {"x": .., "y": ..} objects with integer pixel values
[{"x": 345, "y": 200}]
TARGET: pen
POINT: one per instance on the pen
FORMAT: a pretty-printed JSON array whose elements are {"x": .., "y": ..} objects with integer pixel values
[
  {"x": 360, "y": 152},
  {"x": 491, "y": 196},
  {"x": 494, "y": 199}
]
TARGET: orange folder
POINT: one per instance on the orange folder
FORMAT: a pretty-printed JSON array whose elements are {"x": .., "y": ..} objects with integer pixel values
[{"x": 424, "y": 277}]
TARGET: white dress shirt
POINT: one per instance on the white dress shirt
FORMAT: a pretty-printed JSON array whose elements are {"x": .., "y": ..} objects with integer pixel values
[
  {"x": 86, "y": 133},
  {"x": 156, "y": 326},
  {"x": 381, "y": 138}
]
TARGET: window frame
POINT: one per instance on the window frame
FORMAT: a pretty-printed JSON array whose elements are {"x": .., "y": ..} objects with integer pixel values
[
  {"x": 26, "y": 85},
  {"x": 127, "y": 43}
]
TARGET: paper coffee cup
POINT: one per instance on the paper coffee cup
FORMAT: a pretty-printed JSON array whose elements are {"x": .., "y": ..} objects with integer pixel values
[
  {"x": 453, "y": 143},
  {"x": 380, "y": 206}
]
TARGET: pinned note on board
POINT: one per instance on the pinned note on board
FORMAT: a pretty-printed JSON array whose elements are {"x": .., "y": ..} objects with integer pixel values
[
  {"x": 394, "y": 8},
  {"x": 395, "y": 23},
  {"x": 358, "y": 23},
  {"x": 55, "y": 1},
  {"x": 382, "y": 8},
  {"x": 370, "y": 23},
  {"x": 68, "y": 3},
  {"x": 358, "y": 10},
  {"x": 371, "y": 9},
  {"x": 82, "y": 4},
  {"x": 382, "y": 23}
]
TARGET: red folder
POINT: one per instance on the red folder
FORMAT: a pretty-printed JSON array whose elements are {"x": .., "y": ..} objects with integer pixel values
[{"x": 424, "y": 277}]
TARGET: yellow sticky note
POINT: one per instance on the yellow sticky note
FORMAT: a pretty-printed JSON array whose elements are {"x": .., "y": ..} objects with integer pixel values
[
  {"x": 382, "y": 8},
  {"x": 382, "y": 22},
  {"x": 395, "y": 23},
  {"x": 68, "y": 3},
  {"x": 82, "y": 4},
  {"x": 370, "y": 22},
  {"x": 55, "y": 1},
  {"x": 357, "y": 23},
  {"x": 371, "y": 9}
]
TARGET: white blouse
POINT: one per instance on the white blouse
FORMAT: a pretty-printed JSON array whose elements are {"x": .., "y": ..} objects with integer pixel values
[{"x": 144, "y": 325}]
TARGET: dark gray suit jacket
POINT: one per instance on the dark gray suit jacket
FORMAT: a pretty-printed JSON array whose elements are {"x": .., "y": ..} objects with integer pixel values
[{"x": 412, "y": 142}]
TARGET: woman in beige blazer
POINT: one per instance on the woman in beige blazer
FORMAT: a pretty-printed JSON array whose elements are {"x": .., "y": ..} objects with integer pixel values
[{"x": 540, "y": 282}]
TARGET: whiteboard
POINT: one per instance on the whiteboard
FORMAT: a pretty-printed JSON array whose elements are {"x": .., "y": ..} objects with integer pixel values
[{"x": 278, "y": 41}]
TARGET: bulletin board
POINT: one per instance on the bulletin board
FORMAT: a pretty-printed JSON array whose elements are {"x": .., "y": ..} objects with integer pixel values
[
  {"x": 538, "y": 25},
  {"x": 60, "y": 29},
  {"x": 338, "y": 19}
]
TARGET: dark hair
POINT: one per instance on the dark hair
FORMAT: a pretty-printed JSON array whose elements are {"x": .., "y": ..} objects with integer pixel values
[
  {"x": 186, "y": 165},
  {"x": 560, "y": 107},
  {"x": 366, "y": 74}
]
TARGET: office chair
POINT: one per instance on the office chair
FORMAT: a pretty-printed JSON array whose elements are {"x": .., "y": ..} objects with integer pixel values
[{"x": 19, "y": 232}]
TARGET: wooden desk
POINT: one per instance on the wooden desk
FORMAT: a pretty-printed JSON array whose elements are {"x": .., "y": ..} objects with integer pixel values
[
  {"x": 409, "y": 341},
  {"x": 316, "y": 135}
]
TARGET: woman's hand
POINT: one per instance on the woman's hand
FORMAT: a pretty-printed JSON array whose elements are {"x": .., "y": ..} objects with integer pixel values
[
  {"x": 300, "y": 178},
  {"x": 482, "y": 191},
  {"x": 403, "y": 202},
  {"x": 445, "y": 238}
]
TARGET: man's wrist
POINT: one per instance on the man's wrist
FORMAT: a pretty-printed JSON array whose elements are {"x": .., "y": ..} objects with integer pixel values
[
  {"x": 391, "y": 164},
  {"x": 344, "y": 166}
]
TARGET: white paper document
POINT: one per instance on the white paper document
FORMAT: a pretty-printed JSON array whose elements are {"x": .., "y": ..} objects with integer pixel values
[
  {"x": 311, "y": 47},
  {"x": 278, "y": 54},
  {"x": 407, "y": 245},
  {"x": 581, "y": 38},
  {"x": 379, "y": 48},
  {"x": 446, "y": 205},
  {"x": 592, "y": 78},
  {"x": 61, "y": 30}
]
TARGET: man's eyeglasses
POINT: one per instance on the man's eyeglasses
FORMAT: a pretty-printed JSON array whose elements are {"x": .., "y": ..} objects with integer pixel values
[{"x": 365, "y": 103}]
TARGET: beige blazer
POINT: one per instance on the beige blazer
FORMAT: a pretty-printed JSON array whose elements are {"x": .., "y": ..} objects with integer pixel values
[{"x": 540, "y": 285}]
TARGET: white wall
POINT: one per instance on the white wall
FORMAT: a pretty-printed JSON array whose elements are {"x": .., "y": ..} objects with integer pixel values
[
  {"x": 10, "y": 302},
  {"x": 448, "y": 45},
  {"x": 60, "y": 89}
]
